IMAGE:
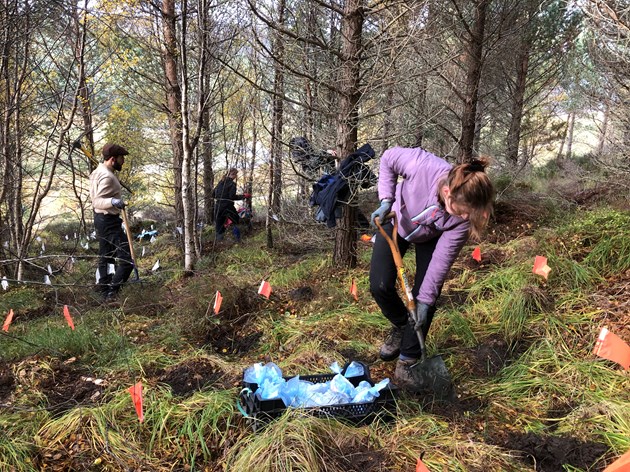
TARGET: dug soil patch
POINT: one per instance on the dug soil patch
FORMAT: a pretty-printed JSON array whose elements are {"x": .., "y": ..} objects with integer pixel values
[
  {"x": 489, "y": 357},
  {"x": 7, "y": 383},
  {"x": 226, "y": 340},
  {"x": 612, "y": 297},
  {"x": 515, "y": 219},
  {"x": 550, "y": 453},
  {"x": 69, "y": 385},
  {"x": 235, "y": 331},
  {"x": 192, "y": 376},
  {"x": 489, "y": 257},
  {"x": 359, "y": 459}
]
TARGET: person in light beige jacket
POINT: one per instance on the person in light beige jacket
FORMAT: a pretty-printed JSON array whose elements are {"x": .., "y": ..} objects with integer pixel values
[{"x": 107, "y": 202}]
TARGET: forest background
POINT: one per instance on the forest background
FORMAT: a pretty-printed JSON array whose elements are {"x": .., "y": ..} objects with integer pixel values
[{"x": 193, "y": 88}]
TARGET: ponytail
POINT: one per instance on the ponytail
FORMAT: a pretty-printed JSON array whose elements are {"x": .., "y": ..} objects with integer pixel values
[{"x": 471, "y": 187}]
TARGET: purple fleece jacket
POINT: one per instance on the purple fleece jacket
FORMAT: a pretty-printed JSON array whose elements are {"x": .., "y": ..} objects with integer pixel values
[{"x": 420, "y": 215}]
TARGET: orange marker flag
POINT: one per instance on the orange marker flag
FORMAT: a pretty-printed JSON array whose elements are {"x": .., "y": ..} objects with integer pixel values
[
  {"x": 476, "y": 254},
  {"x": 541, "y": 267},
  {"x": 217, "y": 303},
  {"x": 7, "y": 321},
  {"x": 264, "y": 289},
  {"x": 353, "y": 291},
  {"x": 136, "y": 397},
  {"x": 66, "y": 314},
  {"x": 612, "y": 347},
  {"x": 620, "y": 465},
  {"x": 366, "y": 238},
  {"x": 420, "y": 467}
]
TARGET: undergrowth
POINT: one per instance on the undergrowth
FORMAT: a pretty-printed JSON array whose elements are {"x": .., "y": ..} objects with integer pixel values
[{"x": 518, "y": 346}]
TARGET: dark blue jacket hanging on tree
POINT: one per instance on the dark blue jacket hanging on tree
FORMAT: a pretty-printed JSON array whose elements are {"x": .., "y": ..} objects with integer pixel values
[{"x": 333, "y": 189}]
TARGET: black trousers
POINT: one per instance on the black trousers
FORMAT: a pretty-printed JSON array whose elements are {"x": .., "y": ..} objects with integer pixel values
[
  {"x": 383, "y": 276},
  {"x": 113, "y": 248},
  {"x": 223, "y": 212}
]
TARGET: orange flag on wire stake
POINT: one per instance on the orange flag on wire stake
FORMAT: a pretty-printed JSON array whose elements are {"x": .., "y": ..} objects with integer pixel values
[
  {"x": 7, "y": 321},
  {"x": 66, "y": 315},
  {"x": 476, "y": 254},
  {"x": 620, "y": 465},
  {"x": 264, "y": 289},
  {"x": 541, "y": 267},
  {"x": 420, "y": 467},
  {"x": 353, "y": 291},
  {"x": 612, "y": 347},
  {"x": 217, "y": 303},
  {"x": 136, "y": 397},
  {"x": 366, "y": 238}
]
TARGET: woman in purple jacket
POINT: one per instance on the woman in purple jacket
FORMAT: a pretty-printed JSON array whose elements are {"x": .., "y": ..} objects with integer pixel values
[{"x": 438, "y": 206}]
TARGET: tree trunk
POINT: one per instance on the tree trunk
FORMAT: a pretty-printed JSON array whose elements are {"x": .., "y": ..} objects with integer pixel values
[
  {"x": 345, "y": 254},
  {"x": 277, "y": 114},
  {"x": 249, "y": 180},
  {"x": 173, "y": 101},
  {"x": 602, "y": 133},
  {"x": 188, "y": 206},
  {"x": 560, "y": 155},
  {"x": 208, "y": 170},
  {"x": 80, "y": 31},
  {"x": 570, "y": 128},
  {"x": 421, "y": 101},
  {"x": 387, "y": 117},
  {"x": 270, "y": 215},
  {"x": 514, "y": 132},
  {"x": 474, "y": 52}
]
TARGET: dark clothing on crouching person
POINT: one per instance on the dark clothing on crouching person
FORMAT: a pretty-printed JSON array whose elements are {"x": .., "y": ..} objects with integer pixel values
[
  {"x": 423, "y": 222},
  {"x": 225, "y": 195},
  {"x": 383, "y": 274}
]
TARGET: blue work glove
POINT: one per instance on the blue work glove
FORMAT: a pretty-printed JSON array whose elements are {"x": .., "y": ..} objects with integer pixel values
[
  {"x": 382, "y": 211},
  {"x": 118, "y": 203},
  {"x": 422, "y": 315}
]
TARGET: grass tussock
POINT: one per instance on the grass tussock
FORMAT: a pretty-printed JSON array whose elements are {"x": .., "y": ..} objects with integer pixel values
[{"x": 296, "y": 442}]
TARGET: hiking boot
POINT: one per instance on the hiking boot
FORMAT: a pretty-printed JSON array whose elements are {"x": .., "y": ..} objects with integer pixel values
[
  {"x": 405, "y": 378},
  {"x": 101, "y": 288},
  {"x": 391, "y": 347},
  {"x": 111, "y": 299},
  {"x": 103, "y": 285}
]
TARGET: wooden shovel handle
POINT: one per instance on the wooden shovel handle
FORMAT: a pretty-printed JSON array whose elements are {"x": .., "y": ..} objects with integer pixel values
[
  {"x": 130, "y": 240},
  {"x": 402, "y": 278},
  {"x": 400, "y": 268}
]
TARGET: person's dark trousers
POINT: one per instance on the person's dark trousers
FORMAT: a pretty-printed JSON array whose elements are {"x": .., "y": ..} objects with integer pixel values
[
  {"x": 383, "y": 276},
  {"x": 223, "y": 213},
  {"x": 113, "y": 248}
]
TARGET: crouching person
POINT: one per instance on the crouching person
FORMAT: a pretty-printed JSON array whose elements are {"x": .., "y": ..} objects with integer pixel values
[
  {"x": 438, "y": 206},
  {"x": 224, "y": 210}
]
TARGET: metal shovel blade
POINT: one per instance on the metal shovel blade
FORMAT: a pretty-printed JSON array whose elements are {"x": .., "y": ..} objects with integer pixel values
[{"x": 431, "y": 375}]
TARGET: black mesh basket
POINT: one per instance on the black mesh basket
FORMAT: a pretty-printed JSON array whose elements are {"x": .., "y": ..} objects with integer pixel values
[{"x": 259, "y": 412}]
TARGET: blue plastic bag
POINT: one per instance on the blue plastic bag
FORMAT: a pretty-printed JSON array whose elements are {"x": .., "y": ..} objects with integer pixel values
[
  {"x": 297, "y": 393},
  {"x": 366, "y": 393},
  {"x": 355, "y": 369},
  {"x": 259, "y": 372},
  {"x": 270, "y": 388}
]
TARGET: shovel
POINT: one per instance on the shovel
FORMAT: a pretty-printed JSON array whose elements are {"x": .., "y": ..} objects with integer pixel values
[
  {"x": 131, "y": 251},
  {"x": 430, "y": 374}
]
